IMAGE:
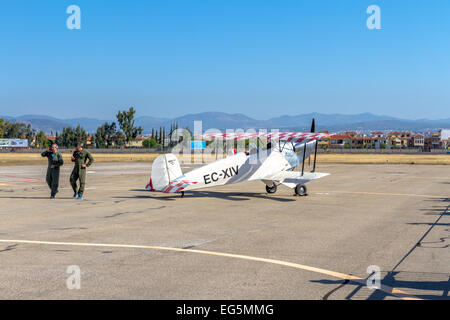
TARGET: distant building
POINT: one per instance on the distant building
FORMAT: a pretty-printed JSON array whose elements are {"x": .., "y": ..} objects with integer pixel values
[
  {"x": 394, "y": 139},
  {"x": 432, "y": 142},
  {"x": 405, "y": 138},
  {"x": 351, "y": 133},
  {"x": 361, "y": 142},
  {"x": 138, "y": 142},
  {"x": 379, "y": 142},
  {"x": 417, "y": 141},
  {"x": 88, "y": 141},
  {"x": 377, "y": 134},
  {"x": 339, "y": 141}
]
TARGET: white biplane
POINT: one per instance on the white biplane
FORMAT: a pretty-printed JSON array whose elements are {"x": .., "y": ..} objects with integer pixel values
[{"x": 285, "y": 151}]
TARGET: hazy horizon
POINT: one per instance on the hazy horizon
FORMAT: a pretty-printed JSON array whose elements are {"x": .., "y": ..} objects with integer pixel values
[{"x": 112, "y": 118}]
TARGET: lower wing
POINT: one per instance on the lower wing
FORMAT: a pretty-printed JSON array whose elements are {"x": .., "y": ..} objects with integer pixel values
[{"x": 292, "y": 178}]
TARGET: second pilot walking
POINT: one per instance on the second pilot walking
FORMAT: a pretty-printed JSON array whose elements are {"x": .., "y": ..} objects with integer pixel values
[{"x": 82, "y": 159}]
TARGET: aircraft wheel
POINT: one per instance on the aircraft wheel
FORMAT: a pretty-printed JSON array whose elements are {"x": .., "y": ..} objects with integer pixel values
[
  {"x": 271, "y": 189},
  {"x": 300, "y": 190}
]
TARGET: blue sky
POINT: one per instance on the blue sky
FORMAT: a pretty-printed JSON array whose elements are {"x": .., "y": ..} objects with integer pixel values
[{"x": 261, "y": 58}]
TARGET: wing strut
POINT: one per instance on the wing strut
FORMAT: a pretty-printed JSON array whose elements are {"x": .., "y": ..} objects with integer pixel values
[
  {"x": 303, "y": 162},
  {"x": 315, "y": 157}
]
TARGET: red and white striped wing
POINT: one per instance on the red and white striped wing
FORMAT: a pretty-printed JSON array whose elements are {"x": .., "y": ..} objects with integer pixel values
[{"x": 284, "y": 136}]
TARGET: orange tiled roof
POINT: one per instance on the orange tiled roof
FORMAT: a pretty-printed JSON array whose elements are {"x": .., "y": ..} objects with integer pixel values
[{"x": 339, "y": 136}]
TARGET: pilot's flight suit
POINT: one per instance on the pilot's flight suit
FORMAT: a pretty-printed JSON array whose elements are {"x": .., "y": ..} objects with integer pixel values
[
  {"x": 52, "y": 177},
  {"x": 78, "y": 172}
]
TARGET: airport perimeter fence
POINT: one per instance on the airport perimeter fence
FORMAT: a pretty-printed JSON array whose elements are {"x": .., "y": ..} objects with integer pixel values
[{"x": 384, "y": 151}]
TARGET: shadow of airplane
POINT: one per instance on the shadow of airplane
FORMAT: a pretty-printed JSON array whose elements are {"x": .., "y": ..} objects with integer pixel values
[
  {"x": 429, "y": 224},
  {"x": 234, "y": 196},
  {"x": 435, "y": 211},
  {"x": 433, "y": 290},
  {"x": 438, "y": 200}
]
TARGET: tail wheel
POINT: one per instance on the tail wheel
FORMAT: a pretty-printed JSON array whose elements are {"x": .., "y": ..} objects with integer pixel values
[
  {"x": 300, "y": 190},
  {"x": 271, "y": 189}
]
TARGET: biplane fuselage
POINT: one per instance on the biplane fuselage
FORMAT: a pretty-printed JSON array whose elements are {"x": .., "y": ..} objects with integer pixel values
[
  {"x": 271, "y": 166},
  {"x": 237, "y": 168}
]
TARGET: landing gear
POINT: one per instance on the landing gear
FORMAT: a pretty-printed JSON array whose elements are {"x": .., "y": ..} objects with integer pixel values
[
  {"x": 271, "y": 189},
  {"x": 182, "y": 194},
  {"x": 300, "y": 190}
]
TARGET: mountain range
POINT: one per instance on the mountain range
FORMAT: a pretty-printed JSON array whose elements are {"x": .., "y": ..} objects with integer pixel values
[{"x": 221, "y": 121}]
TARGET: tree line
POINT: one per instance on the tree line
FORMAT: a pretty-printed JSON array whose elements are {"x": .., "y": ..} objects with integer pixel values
[
  {"x": 11, "y": 130},
  {"x": 107, "y": 135}
]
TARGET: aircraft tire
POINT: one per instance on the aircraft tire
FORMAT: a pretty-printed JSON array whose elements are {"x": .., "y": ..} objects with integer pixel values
[
  {"x": 300, "y": 190},
  {"x": 271, "y": 189}
]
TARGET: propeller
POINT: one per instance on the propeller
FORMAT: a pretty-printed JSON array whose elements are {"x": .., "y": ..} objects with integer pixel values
[{"x": 313, "y": 128}]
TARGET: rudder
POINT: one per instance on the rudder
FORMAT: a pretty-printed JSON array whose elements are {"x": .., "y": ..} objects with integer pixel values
[{"x": 165, "y": 168}]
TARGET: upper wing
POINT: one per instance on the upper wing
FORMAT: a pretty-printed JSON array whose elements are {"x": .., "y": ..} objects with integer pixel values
[
  {"x": 284, "y": 136},
  {"x": 292, "y": 178}
]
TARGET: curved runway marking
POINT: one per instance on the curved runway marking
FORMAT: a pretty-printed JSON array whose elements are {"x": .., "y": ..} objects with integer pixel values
[{"x": 393, "y": 291}]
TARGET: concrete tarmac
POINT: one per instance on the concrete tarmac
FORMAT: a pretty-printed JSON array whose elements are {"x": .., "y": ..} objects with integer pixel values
[{"x": 230, "y": 242}]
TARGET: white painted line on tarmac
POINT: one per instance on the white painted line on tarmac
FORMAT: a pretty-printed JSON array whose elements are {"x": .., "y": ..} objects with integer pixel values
[{"x": 385, "y": 194}]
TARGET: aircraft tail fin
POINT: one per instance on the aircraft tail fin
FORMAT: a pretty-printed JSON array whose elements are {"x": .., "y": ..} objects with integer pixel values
[{"x": 165, "y": 168}]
